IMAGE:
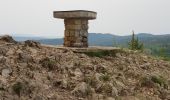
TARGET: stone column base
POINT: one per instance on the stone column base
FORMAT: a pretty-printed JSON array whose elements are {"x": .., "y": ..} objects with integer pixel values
[{"x": 76, "y": 33}]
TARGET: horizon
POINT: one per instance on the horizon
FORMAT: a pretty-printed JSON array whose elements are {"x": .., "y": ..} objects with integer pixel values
[
  {"x": 58, "y": 37},
  {"x": 118, "y": 17}
]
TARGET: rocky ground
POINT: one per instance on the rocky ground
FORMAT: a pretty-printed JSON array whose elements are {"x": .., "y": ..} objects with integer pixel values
[{"x": 29, "y": 71}]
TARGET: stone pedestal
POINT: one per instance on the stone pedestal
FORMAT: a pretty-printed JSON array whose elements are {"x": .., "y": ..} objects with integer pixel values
[
  {"x": 76, "y": 27},
  {"x": 76, "y": 33}
]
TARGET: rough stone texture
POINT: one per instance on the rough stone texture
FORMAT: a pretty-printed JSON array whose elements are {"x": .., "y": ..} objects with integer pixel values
[
  {"x": 6, "y": 72},
  {"x": 31, "y": 43},
  {"x": 76, "y": 26},
  {"x": 6, "y": 39},
  {"x": 63, "y": 73}
]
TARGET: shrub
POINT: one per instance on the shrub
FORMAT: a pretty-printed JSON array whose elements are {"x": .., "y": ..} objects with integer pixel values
[
  {"x": 17, "y": 87},
  {"x": 158, "y": 79},
  {"x": 105, "y": 77},
  {"x": 100, "y": 53},
  {"x": 151, "y": 80},
  {"x": 146, "y": 82},
  {"x": 48, "y": 63}
]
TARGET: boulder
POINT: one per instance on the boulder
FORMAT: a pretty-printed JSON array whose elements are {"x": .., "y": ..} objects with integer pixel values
[
  {"x": 24, "y": 57},
  {"x": 7, "y": 38},
  {"x": 6, "y": 72},
  {"x": 31, "y": 43},
  {"x": 2, "y": 59},
  {"x": 78, "y": 74}
]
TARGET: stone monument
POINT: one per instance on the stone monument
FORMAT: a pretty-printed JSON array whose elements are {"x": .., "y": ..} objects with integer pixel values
[{"x": 76, "y": 26}]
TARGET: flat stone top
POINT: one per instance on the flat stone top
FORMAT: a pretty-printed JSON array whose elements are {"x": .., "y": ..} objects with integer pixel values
[
  {"x": 90, "y": 48},
  {"x": 82, "y": 14}
]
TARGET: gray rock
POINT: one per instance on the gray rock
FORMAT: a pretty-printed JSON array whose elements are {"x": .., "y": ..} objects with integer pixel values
[
  {"x": 3, "y": 50},
  {"x": 23, "y": 57},
  {"x": 31, "y": 43},
  {"x": 6, "y": 72},
  {"x": 82, "y": 90},
  {"x": 2, "y": 59},
  {"x": 7, "y": 38}
]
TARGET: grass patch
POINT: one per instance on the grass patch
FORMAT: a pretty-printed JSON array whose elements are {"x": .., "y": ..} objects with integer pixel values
[
  {"x": 17, "y": 88},
  {"x": 100, "y": 53},
  {"x": 48, "y": 63},
  {"x": 105, "y": 78},
  {"x": 151, "y": 80},
  {"x": 166, "y": 58},
  {"x": 158, "y": 79}
]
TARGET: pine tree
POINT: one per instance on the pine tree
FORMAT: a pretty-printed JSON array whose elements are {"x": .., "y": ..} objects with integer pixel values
[{"x": 134, "y": 44}]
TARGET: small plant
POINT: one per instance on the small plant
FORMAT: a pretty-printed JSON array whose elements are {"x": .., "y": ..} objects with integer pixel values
[
  {"x": 151, "y": 80},
  {"x": 48, "y": 63},
  {"x": 105, "y": 78},
  {"x": 146, "y": 82},
  {"x": 17, "y": 87},
  {"x": 158, "y": 79}
]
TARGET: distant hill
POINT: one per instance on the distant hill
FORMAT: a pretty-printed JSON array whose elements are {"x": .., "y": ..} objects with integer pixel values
[
  {"x": 24, "y": 38},
  {"x": 95, "y": 39},
  {"x": 58, "y": 41},
  {"x": 99, "y": 39},
  {"x": 156, "y": 43}
]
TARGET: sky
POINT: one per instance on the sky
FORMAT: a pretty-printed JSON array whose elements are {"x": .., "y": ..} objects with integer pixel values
[{"x": 120, "y": 17}]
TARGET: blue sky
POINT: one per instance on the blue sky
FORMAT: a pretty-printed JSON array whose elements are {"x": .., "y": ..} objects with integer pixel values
[{"x": 35, "y": 17}]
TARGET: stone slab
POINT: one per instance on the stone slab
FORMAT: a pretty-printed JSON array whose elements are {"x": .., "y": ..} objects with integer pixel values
[
  {"x": 75, "y": 14},
  {"x": 84, "y": 49}
]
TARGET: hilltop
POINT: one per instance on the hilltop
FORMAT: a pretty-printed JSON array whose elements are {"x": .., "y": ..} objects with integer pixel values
[
  {"x": 157, "y": 45},
  {"x": 100, "y": 39},
  {"x": 31, "y": 71}
]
